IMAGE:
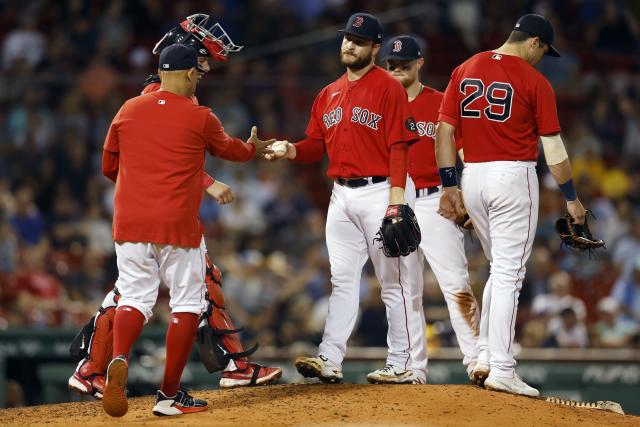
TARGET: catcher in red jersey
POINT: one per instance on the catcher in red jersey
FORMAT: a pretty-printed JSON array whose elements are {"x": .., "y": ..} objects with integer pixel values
[
  {"x": 442, "y": 241},
  {"x": 363, "y": 123},
  {"x": 502, "y": 106},
  {"x": 220, "y": 347}
]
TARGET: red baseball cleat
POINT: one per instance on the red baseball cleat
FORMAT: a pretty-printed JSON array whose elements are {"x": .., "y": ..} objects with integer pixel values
[
  {"x": 92, "y": 385},
  {"x": 252, "y": 375}
]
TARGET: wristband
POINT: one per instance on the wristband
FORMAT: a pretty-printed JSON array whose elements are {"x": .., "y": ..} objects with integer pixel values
[
  {"x": 568, "y": 190},
  {"x": 448, "y": 176}
]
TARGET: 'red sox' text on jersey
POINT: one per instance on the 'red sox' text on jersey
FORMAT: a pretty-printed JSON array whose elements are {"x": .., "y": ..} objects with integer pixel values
[
  {"x": 357, "y": 127},
  {"x": 504, "y": 103}
]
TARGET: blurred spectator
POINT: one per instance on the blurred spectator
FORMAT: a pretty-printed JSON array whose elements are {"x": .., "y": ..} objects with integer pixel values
[
  {"x": 549, "y": 306},
  {"x": 612, "y": 330},
  {"x": 24, "y": 43},
  {"x": 569, "y": 332},
  {"x": 626, "y": 292},
  {"x": 27, "y": 221},
  {"x": 627, "y": 247}
]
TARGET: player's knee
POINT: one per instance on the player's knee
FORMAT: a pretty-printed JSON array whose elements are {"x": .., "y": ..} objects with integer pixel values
[
  {"x": 145, "y": 308},
  {"x": 507, "y": 277},
  {"x": 196, "y": 308}
]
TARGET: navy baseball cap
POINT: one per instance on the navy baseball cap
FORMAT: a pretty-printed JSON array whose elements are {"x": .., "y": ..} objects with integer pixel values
[
  {"x": 364, "y": 25},
  {"x": 538, "y": 26},
  {"x": 402, "y": 48},
  {"x": 178, "y": 57}
]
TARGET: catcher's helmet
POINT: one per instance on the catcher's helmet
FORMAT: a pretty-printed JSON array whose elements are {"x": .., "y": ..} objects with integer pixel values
[{"x": 214, "y": 41}]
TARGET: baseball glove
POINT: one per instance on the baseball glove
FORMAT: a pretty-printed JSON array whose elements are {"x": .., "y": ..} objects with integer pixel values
[
  {"x": 399, "y": 233},
  {"x": 577, "y": 236},
  {"x": 462, "y": 219}
]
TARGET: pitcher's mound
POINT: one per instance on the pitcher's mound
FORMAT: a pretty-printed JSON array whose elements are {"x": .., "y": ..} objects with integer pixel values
[{"x": 349, "y": 404}]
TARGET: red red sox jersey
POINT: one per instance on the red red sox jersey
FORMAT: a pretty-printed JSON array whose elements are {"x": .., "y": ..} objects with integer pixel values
[
  {"x": 501, "y": 104},
  {"x": 207, "y": 180},
  {"x": 357, "y": 121},
  {"x": 422, "y": 156},
  {"x": 154, "y": 151}
]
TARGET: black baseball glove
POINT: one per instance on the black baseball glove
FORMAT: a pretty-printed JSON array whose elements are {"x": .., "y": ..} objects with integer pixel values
[
  {"x": 577, "y": 236},
  {"x": 399, "y": 233}
]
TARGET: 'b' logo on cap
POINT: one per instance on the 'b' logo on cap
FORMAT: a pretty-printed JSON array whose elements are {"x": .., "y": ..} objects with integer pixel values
[
  {"x": 358, "y": 21},
  {"x": 397, "y": 46}
]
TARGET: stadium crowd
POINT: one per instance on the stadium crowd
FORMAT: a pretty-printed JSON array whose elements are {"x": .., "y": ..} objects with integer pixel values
[{"x": 68, "y": 65}]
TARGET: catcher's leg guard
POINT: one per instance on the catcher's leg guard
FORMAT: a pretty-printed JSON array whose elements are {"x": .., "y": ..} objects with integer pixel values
[
  {"x": 93, "y": 347},
  {"x": 218, "y": 340}
]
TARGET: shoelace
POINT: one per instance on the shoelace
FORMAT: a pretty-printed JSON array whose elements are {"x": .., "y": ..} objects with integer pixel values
[
  {"x": 184, "y": 398},
  {"x": 387, "y": 369}
]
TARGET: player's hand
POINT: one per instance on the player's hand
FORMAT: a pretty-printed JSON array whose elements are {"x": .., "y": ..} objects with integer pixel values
[
  {"x": 281, "y": 150},
  {"x": 262, "y": 147},
  {"x": 450, "y": 203},
  {"x": 221, "y": 192},
  {"x": 577, "y": 211}
]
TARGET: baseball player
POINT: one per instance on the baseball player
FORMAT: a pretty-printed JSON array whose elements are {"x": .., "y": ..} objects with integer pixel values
[
  {"x": 362, "y": 122},
  {"x": 443, "y": 241},
  {"x": 154, "y": 152},
  {"x": 502, "y": 106},
  {"x": 219, "y": 338}
]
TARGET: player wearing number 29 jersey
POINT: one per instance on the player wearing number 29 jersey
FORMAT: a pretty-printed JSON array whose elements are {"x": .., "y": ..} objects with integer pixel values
[
  {"x": 489, "y": 90},
  {"x": 502, "y": 106}
]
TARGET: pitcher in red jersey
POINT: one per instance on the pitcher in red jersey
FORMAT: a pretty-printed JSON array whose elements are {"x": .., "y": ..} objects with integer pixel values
[{"x": 363, "y": 123}]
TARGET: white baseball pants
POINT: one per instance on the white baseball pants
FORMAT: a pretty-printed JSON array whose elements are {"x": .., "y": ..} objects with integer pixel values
[
  {"x": 502, "y": 200},
  {"x": 354, "y": 218},
  {"x": 443, "y": 247},
  {"x": 142, "y": 266}
]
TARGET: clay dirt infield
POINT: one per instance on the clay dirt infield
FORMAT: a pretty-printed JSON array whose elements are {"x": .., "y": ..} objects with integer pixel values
[{"x": 349, "y": 404}]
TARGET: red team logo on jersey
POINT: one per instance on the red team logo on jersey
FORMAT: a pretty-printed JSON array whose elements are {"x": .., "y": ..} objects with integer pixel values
[
  {"x": 358, "y": 21},
  {"x": 397, "y": 46}
]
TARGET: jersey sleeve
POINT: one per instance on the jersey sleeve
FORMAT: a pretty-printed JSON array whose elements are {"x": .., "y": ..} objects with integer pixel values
[
  {"x": 111, "y": 149},
  {"x": 314, "y": 127},
  {"x": 207, "y": 181},
  {"x": 545, "y": 109},
  {"x": 111, "y": 142},
  {"x": 220, "y": 144},
  {"x": 450, "y": 107},
  {"x": 399, "y": 126}
]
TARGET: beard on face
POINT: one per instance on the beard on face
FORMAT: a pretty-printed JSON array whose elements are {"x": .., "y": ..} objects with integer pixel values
[{"x": 358, "y": 63}]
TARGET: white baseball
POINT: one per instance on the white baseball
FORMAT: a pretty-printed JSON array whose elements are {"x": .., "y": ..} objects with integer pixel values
[{"x": 279, "y": 148}]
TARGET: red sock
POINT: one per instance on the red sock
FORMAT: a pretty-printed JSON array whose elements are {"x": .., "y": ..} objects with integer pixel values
[
  {"x": 180, "y": 337},
  {"x": 127, "y": 326}
]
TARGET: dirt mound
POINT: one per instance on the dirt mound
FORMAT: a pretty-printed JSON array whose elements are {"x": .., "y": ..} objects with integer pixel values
[{"x": 350, "y": 404}]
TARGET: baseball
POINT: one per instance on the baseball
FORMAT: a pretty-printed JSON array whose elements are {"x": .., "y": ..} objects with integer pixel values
[{"x": 279, "y": 148}]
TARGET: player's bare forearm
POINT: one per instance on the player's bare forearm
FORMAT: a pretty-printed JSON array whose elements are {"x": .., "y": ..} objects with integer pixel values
[
  {"x": 561, "y": 172},
  {"x": 396, "y": 196},
  {"x": 445, "y": 145}
]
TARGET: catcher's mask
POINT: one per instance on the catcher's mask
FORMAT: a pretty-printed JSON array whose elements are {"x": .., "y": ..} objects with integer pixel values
[{"x": 213, "y": 42}]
